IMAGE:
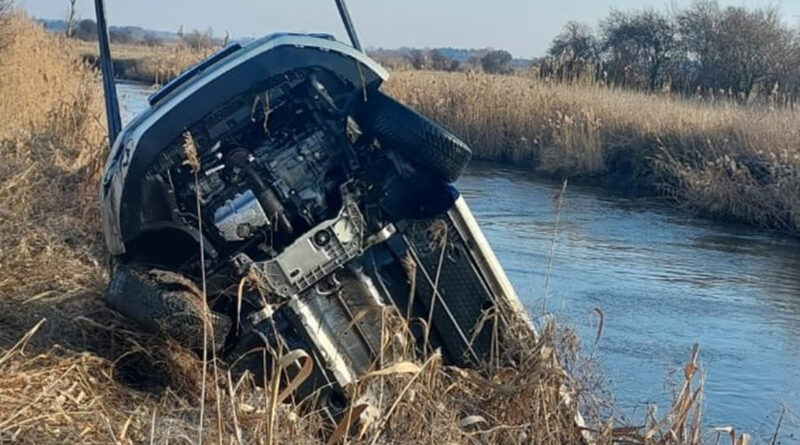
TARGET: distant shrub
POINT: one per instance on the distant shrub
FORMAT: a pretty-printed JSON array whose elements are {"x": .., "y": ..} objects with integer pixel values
[
  {"x": 575, "y": 42},
  {"x": 123, "y": 36},
  {"x": 150, "y": 39},
  {"x": 86, "y": 29},
  {"x": 417, "y": 59},
  {"x": 199, "y": 41},
  {"x": 72, "y": 17},
  {"x": 439, "y": 61},
  {"x": 496, "y": 62},
  {"x": 639, "y": 45}
]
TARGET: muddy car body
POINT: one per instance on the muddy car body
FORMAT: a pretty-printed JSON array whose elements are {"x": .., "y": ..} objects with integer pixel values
[{"x": 277, "y": 184}]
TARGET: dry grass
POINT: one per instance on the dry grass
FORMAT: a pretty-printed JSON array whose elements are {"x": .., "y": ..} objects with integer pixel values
[
  {"x": 718, "y": 158},
  {"x": 71, "y": 371},
  {"x": 155, "y": 64}
]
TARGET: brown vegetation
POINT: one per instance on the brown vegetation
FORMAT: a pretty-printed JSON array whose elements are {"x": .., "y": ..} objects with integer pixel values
[
  {"x": 722, "y": 159},
  {"x": 156, "y": 64}
]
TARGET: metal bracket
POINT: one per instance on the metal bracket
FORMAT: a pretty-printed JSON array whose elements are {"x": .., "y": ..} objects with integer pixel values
[{"x": 315, "y": 254}]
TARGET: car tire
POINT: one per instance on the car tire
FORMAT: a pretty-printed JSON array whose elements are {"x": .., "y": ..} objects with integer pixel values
[
  {"x": 414, "y": 136},
  {"x": 164, "y": 307}
]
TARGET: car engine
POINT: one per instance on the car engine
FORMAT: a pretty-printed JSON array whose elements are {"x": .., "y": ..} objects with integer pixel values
[{"x": 275, "y": 171}]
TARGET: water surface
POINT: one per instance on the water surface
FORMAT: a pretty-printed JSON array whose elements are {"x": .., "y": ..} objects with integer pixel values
[{"x": 664, "y": 280}]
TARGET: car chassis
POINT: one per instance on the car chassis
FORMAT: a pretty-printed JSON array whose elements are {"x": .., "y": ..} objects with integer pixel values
[{"x": 276, "y": 185}]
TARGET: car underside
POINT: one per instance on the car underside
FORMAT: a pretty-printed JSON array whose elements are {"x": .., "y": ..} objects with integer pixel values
[{"x": 276, "y": 187}]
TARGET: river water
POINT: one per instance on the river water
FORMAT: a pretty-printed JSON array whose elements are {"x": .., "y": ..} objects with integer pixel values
[{"x": 663, "y": 279}]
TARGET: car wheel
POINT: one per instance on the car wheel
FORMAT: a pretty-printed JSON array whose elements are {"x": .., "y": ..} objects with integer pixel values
[
  {"x": 416, "y": 137},
  {"x": 166, "y": 303}
]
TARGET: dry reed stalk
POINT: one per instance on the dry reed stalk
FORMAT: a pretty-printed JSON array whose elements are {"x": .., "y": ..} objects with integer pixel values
[{"x": 559, "y": 200}]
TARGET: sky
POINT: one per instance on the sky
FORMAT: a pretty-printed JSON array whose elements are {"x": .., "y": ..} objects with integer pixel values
[{"x": 523, "y": 27}]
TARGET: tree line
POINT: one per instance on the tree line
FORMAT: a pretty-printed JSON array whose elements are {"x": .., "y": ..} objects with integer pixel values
[
  {"x": 703, "y": 49},
  {"x": 86, "y": 29},
  {"x": 495, "y": 61},
  {"x": 736, "y": 51}
]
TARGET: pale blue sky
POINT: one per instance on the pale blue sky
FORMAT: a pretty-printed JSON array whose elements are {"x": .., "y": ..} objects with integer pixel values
[{"x": 524, "y": 27}]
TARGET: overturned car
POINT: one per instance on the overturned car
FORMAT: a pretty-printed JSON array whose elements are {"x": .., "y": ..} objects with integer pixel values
[{"x": 277, "y": 188}]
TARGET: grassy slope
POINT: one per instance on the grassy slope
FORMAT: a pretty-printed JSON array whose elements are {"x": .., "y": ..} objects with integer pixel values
[{"x": 721, "y": 159}]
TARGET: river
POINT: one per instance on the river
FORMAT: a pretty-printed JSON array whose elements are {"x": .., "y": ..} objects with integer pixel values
[{"x": 663, "y": 279}]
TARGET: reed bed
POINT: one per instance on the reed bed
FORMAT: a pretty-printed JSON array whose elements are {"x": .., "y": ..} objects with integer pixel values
[
  {"x": 719, "y": 158},
  {"x": 72, "y": 371},
  {"x": 154, "y": 64}
]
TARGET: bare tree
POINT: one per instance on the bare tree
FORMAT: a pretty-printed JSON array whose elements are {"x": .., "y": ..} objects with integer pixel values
[
  {"x": 496, "y": 62},
  {"x": 736, "y": 49},
  {"x": 740, "y": 51},
  {"x": 72, "y": 17},
  {"x": 5, "y": 6},
  {"x": 417, "y": 58},
  {"x": 575, "y": 42},
  {"x": 639, "y": 43},
  {"x": 573, "y": 52}
]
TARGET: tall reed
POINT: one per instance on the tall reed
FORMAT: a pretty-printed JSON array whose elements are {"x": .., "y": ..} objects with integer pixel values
[{"x": 719, "y": 158}]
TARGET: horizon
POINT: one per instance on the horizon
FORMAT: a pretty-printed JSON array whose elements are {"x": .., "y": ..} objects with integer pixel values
[{"x": 523, "y": 29}]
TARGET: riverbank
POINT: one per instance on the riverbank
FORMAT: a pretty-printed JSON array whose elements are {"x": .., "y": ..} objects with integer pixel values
[
  {"x": 140, "y": 63},
  {"x": 720, "y": 159}
]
